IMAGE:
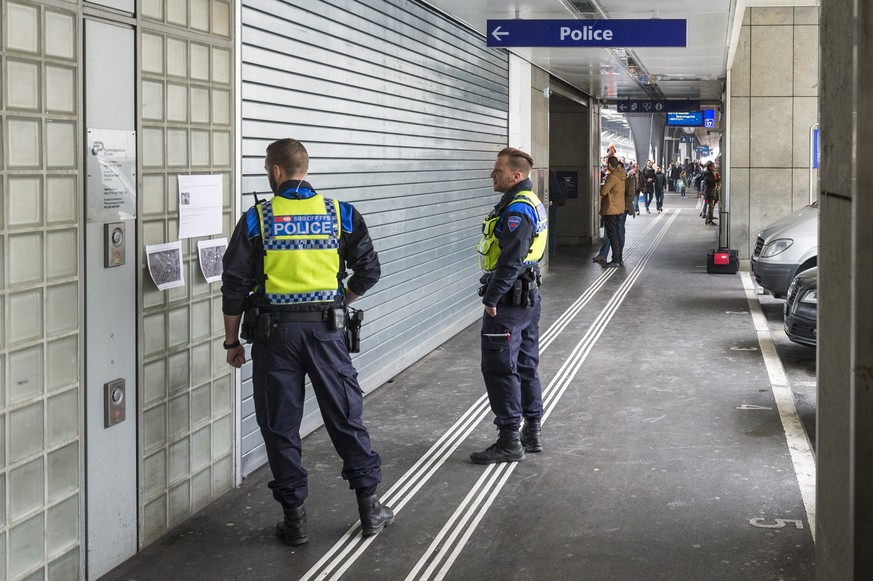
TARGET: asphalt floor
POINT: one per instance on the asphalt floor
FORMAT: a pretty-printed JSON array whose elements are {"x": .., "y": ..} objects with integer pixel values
[{"x": 664, "y": 453}]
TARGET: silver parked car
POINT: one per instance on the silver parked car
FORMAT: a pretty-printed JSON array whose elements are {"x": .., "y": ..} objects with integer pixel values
[{"x": 786, "y": 248}]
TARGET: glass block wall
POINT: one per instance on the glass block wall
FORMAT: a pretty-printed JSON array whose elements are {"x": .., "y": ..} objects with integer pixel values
[
  {"x": 40, "y": 237},
  {"x": 187, "y": 391}
]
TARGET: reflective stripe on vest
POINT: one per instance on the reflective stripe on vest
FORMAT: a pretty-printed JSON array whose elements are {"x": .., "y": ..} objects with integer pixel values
[
  {"x": 489, "y": 247},
  {"x": 301, "y": 245}
]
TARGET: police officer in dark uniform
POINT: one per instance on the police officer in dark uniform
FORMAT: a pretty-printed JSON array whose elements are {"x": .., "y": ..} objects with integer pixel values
[
  {"x": 284, "y": 266},
  {"x": 515, "y": 237}
]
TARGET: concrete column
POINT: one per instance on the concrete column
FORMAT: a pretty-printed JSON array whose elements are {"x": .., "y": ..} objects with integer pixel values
[
  {"x": 773, "y": 102},
  {"x": 659, "y": 127},
  {"x": 641, "y": 130},
  {"x": 844, "y": 437}
]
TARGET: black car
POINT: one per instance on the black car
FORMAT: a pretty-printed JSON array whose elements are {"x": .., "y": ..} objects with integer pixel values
[{"x": 801, "y": 306}]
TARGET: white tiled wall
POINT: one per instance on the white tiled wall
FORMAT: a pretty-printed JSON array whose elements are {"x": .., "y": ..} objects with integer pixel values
[
  {"x": 40, "y": 399},
  {"x": 186, "y": 108}
]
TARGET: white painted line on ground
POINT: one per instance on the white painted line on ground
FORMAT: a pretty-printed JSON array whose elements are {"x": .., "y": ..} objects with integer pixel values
[
  {"x": 798, "y": 442},
  {"x": 551, "y": 395},
  {"x": 341, "y": 556}
]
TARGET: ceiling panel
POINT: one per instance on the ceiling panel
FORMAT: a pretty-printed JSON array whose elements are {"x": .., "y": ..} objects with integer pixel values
[{"x": 695, "y": 71}]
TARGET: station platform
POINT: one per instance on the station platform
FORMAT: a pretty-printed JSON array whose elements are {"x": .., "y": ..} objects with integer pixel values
[{"x": 665, "y": 448}]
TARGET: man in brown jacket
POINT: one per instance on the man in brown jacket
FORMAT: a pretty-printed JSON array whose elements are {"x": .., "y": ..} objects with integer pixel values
[
  {"x": 630, "y": 198},
  {"x": 612, "y": 206}
]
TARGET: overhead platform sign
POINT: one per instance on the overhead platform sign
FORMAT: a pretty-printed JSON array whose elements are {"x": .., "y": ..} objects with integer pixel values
[
  {"x": 648, "y": 106},
  {"x": 590, "y": 33},
  {"x": 689, "y": 119}
]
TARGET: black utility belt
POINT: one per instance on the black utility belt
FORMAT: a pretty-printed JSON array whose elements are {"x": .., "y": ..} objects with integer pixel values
[
  {"x": 523, "y": 292},
  {"x": 302, "y": 316},
  {"x": 520, "y": 295},
  {"x": 259, "y": 322},
  {"x": 334, "y": 317}
]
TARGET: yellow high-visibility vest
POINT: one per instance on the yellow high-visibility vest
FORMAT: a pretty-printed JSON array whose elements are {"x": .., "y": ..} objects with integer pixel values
[
  {"x": 301, "y": 245},
  {"x": 489, "y": 247}
]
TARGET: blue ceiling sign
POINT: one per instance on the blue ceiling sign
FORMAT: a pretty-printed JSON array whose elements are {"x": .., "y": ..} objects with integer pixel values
[
  {"x": 592, "y": 33},
  {"x": 689, "y": 119},
  {"x": 709, "y": 118}
]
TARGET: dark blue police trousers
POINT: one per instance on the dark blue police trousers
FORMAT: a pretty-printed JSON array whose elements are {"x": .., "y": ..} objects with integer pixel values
[
  {"x": 510, "y": 355},
  {"x": 297, "y": 349}
]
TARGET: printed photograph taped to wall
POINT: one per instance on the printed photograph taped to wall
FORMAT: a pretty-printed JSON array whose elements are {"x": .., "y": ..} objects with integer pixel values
[
  {"x": 211, "y": 253},
  {"x": 165, "y": 264}
]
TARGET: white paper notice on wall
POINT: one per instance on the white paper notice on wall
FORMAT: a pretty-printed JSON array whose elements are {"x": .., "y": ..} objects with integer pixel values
[
  {"x": 199, "y": 205},
  {"x": 211, "y": 253},
  {"x": 111, "y": 185},
  {"x": 165, "y": 264}
]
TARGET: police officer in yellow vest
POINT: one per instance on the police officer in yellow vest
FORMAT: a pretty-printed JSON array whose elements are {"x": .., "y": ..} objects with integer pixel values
[
  {"x": 284, "y": 266},
  {"x": 515, "y": 237}
]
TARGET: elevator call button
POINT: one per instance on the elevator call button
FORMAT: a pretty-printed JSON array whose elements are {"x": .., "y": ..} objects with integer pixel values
[
  {"x": 113, "y": 242},
  {"x": 113, "y": 402}
]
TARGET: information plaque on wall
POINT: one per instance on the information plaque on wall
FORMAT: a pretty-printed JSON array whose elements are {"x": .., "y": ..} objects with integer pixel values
[
  {"x": 111, "y": 184},
  {"x": 570, "y": 182}
]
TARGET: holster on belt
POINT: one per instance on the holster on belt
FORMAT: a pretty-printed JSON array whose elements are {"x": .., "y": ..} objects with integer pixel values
[
  {"x": 258, "y": 322},
  {"x": 484, "y": 280},
  {"x": 354, "y": 318},
  {"x": 518, "y": 294},
  {"x": 525, "y": 288}
]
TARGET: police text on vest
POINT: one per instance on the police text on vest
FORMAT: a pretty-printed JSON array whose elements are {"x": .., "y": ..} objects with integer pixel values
[{"x": 301, "y": 225}]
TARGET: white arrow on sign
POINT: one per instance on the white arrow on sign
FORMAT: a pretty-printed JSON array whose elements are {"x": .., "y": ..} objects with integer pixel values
[{"x": 497, "y": 34}]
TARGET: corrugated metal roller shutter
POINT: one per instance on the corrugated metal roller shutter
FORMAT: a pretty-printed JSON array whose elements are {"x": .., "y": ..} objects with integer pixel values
[{"x": 402, "y": 113}]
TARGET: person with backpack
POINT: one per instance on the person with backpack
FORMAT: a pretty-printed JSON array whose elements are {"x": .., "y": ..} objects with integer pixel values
[{"x": 681, "y": 183}]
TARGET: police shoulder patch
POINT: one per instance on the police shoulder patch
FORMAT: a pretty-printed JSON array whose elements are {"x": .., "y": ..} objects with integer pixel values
[{"x": 513, "y": 222}]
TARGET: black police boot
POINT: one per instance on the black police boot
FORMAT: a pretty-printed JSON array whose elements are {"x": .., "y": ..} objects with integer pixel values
[
  {"x": 508, "y": 448},
  {"x": 292, "y": 528},
  {"x": 532, "y": 436},
  {"x": 374, "y": 515}
]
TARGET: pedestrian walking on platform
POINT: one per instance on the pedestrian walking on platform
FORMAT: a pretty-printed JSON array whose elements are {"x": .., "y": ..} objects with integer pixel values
[
  {"x": 648, "y": 174},
  {"x": 673, "y": 176},
  {"x": 514, "y": 241},
  {"x": 680, "y": 184},
  {"x": 284, "y": 267},
  {"x": 659, "y": 188},
  {"x": 639, "y": 187}
]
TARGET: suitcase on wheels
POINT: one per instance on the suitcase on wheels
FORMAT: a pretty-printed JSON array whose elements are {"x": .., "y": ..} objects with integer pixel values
[{"x": 722, "y": 261}]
